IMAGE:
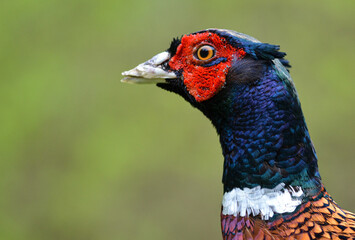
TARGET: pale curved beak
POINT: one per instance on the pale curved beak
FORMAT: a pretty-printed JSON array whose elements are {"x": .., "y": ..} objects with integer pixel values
[{"x": 150, "y": 71}]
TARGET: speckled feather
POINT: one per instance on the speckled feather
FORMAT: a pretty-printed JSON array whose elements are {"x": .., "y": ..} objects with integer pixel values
[{"x": 318, "y": 218}]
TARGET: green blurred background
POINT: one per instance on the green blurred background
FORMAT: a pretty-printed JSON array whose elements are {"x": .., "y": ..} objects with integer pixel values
[{"x": 84, "y": 156}]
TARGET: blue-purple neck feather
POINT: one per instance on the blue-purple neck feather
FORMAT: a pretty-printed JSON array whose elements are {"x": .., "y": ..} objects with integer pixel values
[{"x": 263, "y": 134}]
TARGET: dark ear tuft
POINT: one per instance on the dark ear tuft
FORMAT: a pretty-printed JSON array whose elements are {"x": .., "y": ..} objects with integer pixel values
[
  {"x": 268, "y": 51},
  {"x": 174, "y": 45}
]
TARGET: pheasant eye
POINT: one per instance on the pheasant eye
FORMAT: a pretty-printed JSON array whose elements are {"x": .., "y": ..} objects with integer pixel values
[{"x": 205, "y": 52}]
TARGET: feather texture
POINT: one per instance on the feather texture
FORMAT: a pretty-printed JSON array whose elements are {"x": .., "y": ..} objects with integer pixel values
[{"x": 272, "y": 186}]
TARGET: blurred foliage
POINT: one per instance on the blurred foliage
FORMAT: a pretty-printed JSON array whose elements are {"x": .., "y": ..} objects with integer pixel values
[{"x": 86, "y": 157}]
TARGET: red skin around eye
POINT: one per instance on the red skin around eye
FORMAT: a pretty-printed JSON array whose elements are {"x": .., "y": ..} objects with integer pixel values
[{"x": 204, "y": 82}]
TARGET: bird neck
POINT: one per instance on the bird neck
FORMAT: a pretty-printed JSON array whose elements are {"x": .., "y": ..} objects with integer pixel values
[{"x": 264, "y": 137}]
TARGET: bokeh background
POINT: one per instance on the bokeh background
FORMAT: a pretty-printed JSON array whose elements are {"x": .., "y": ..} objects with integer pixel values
[{"x": 83, "y": 156}]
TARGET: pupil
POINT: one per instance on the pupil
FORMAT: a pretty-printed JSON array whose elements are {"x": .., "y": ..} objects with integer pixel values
[{"x": 204, "y": 52}]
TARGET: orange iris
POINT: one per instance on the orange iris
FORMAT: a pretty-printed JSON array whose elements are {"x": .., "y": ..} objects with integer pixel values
[{"x": 205, "y": 52}]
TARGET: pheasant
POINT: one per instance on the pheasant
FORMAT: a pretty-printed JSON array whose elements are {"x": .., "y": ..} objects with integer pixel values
[{"x": 272, "y": 186}]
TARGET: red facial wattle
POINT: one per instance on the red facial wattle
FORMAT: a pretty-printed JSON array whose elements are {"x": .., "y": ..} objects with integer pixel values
[{"x": 203, "y": 79}]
